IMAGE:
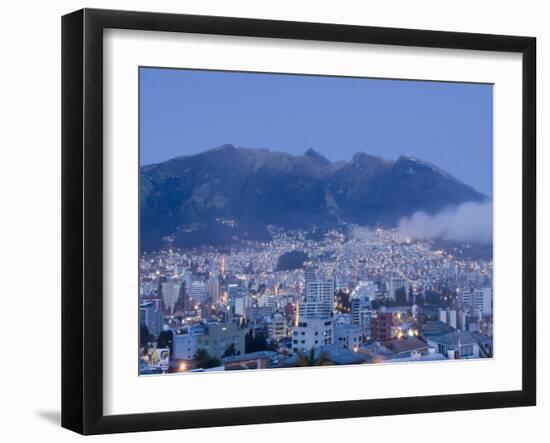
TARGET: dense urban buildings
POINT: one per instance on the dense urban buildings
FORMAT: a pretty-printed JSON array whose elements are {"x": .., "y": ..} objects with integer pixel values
[{"x": 358, "y": 297}]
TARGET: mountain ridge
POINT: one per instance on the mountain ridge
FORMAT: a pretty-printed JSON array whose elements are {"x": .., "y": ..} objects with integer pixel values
[{"x": 230, "y": 193}]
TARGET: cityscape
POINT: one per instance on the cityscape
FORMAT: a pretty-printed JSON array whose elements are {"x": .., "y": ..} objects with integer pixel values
[
  {"x": 353, "y": 296},
  {"x": 255, "y": 258}
]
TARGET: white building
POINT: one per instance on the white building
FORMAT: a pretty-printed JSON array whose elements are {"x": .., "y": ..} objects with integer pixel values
[
  {"x": 262, "y": 299},
  {"x": 322, "y": 291},
  {"x": 482, "y": 300},
  {"x": 314, "y": 310},
  {"x": 240, "y": 306},
  {"x": 312, "y": 333},
  {"x": 479, "y": 299},
  {"x": 185, "y": 346},
  {"x": 465, "y": 297},
  {"x": 361, "y": 308},
  {"x": 449, "y": 317},
  {"x": 315, "y": 323},
  {"x": 348, "y": 336},
  {"x": 318, "y": 302}
]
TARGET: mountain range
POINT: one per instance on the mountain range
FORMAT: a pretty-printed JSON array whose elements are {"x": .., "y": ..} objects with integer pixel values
[{"x": 229, "y": 193}]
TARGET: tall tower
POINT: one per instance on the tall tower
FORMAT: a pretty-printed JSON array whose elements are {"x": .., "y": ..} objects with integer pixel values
[
  {"x": 214, "y": 288},
  {"x": 319, "y": 300},
  {"x": 310, "y": 274}
]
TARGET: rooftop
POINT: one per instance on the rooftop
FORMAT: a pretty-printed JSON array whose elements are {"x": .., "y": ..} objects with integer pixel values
[
  {"x": 451, "y": 338},
  {"x": 405, "y": 344}
]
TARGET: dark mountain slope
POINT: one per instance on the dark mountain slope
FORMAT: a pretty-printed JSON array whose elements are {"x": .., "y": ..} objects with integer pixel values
[{"x": 227, "y": 194}]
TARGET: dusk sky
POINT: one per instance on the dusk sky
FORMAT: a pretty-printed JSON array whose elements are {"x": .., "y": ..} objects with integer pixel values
[{"x": 184, "y": 112}]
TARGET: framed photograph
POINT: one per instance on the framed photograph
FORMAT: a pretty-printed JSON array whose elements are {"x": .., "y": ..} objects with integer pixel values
[{"x": 268, "y": 221}]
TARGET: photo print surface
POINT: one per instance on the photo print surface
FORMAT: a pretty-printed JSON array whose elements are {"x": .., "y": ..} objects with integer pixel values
[{"x": 299, "y": 220}]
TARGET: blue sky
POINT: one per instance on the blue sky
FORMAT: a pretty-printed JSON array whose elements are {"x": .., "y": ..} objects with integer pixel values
[{"x": 183, "y": 112}]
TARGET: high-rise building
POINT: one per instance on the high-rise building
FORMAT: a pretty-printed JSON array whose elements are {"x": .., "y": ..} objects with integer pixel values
[
  {"x": 313, "y": 310},
  {"x": 318, "y": 302},
  {"x": 309, "y": 273},
  {"x": 482, "y": 300},
  {"x": 465, "y": 296},
  {"x": 315, "y": 323},
  {"x": 213, "y": 288},
  {"x": 361, "y": 311},
  {"x": 320, "y": 291},
  {"x": 235, "y": 291},
  {"x": 449, "y": 317},
  {"x": 198, "y": 291},
  {"x": 170, "y": 294},
  {"x": 240, "y": 306},
  {"x": 396, "y": 283}
]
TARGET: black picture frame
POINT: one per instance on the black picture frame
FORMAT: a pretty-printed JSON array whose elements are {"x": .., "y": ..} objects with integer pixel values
[{"x": 82, "y": 218}]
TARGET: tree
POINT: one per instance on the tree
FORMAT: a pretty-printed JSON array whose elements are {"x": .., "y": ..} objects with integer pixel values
[
  {"x": 254, "y": 342},
  {"x": 260, "y": 342},
  {"x": 310, "y": 360},
  {"x": 144, "y": 335},
  {"x": 248, "y": 341},
  {"x": 230, "y": 351},
  {"x": 204, "y": 360},
  {"x": 165, "y": 340},
  {"x": 291, "y": 260}
]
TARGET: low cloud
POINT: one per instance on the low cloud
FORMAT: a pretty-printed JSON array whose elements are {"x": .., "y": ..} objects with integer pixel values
[{"x": 467, "y": 223}]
